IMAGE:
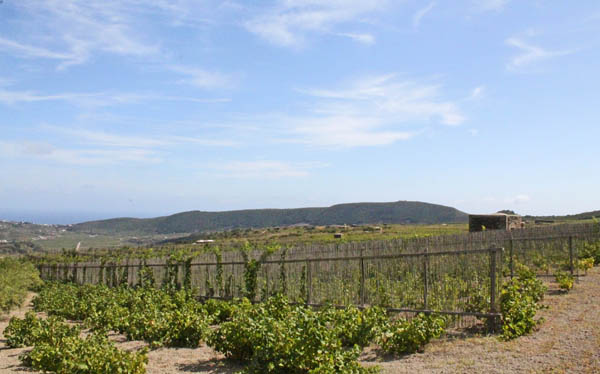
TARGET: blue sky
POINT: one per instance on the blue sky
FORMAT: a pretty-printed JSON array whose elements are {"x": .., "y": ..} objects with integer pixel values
[{"x": 143, "y": 108}]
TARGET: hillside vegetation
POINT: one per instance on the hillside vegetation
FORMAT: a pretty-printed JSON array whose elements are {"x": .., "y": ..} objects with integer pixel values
[
  {"x": 356, "y": 213},
  {"x": 16, "y": 278},
  {"x": 569, "y": 217}
]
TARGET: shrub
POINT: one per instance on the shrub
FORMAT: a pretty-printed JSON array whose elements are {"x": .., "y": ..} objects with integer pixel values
[
  {"x": 218, "y": 310},
  {"x": 16, "y": 278},
  {"x": 58, "y": 348},
  {"x": 356, "y": 327},
  {"x": 564, "y": 280},
  {"x": 157, "y": 316},
  {"x": 519, "y": 303},
  {"x": 591, "y": 249},
  {"x": 275, "y": 337},
  {"x": 585, "y": 264},
  {"x": 93, "y": 355},
  {"x": 32, "y": 330},
  {"x": 409, "y": 336}
]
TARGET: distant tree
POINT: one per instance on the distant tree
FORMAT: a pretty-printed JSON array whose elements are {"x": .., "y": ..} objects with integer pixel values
[{"x": 507, "y": 211}]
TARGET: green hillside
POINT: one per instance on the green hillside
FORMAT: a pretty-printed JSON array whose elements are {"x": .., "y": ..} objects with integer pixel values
[
  {"x": 569, "y": 217},
  {"x": 357, "y": 213}
]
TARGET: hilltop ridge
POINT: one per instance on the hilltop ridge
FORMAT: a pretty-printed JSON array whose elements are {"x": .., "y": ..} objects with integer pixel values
[{"x": 410, "y": 212}]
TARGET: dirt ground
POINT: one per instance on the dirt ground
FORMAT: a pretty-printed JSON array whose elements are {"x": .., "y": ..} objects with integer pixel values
[{"x": 568, "y": 341}]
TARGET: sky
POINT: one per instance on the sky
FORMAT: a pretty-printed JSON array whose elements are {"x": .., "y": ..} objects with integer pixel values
[{"x": 144, "y": 108}]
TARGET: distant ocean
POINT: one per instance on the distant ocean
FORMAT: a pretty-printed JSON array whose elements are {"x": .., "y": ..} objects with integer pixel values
[{"x": 65, "y": 218}]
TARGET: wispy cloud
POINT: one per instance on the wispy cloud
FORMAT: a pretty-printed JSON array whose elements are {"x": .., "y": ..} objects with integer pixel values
[
  {"x": 489, "y": 5},
  {"x": 108, "y": 139},
  {"x": 203, "y": 78},
  {"x": 289, "y": 22},
  {"x": 74, "y": 156},
  {"x": 82, "y": 28},
  {"x": 530, "y": 54},
  {"x": 345, "y": 131},
  {"x": 98, "y": 147},
  {"x": 373, "y": 111},
  {"x": 477, "y": 93},
  {"x": 29, "y": 51},
  {"x": 404, "y": 99},
  {"x": 265, "y": 169},
  {"x": 361, "y": 38},
  {"x": 95, "y": 99},
  {"x": 418, "y": 16}
]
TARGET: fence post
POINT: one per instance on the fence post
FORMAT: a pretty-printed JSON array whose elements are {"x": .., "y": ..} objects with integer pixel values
[
  {"x": 493, "y": 254},
  {"x": 571, "y": 267},
  {"x": 308, "y": 281},
  {"x": 266, "y": 271},
  {"x": 494, "y": 322},
  {"x": 426, "y": 278},
  {"x": 512, "y": 261},
  {"x": 362, "y": 279}
]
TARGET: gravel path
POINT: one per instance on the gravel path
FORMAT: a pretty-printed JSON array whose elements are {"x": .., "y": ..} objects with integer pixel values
[{"x": 567, "y": 342}]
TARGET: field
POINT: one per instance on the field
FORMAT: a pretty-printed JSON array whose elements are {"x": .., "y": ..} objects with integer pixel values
[
  {"x": 325, "y": 234},
  {"x": 308, "y": 308},
  {"x": 16, "y": 237},
  {"x": 452, "y": 273},
  {"x": 24, "y": 238}
]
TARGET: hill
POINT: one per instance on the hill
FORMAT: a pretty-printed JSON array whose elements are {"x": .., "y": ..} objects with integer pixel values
[
  {"x": 413, "y": 212},
  {"x": 569, "y": 217}
]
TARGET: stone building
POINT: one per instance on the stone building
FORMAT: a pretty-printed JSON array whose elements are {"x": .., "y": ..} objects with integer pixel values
[{"x": 496, "y": 221}]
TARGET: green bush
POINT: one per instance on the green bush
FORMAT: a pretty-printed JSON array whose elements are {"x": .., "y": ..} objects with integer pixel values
[
  {"x": 16, "y": 278},
  {"x": 356, "y": 327},
  {"x": 33, "y": 330},
  {"x": 274, "y": 337},
  {"x": 564, "y": 280},
  {"x": 157, "y": 316},
  {"x": 409, "y": 336},
  {"x": 519, "y": 303},
  {"x": 93, "y": 355},
  {"x": 585, "y": 264},
  {"x": 218, "y": 310},
  {"x": 58, "y": 348},
  {"x": 591, "y": 249}
]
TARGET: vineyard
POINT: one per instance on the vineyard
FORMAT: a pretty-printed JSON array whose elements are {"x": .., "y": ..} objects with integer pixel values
[
  {"x": 458, "y": 275},
  {"x": 304, "y": 309}
]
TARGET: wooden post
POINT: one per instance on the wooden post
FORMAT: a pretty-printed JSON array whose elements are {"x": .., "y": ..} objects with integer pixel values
[
  {"x": 512, "y": 262},
  {"x": 308, "y": 281},
  {"x": 493, "y": 254},
  {"x": 426, "y": 278},
  {"x": 493, "y": 322},
  {"x": 362, "y": 280},
  {"x": 571, "y": 266},
  {"x": 266, "y": 269}
]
